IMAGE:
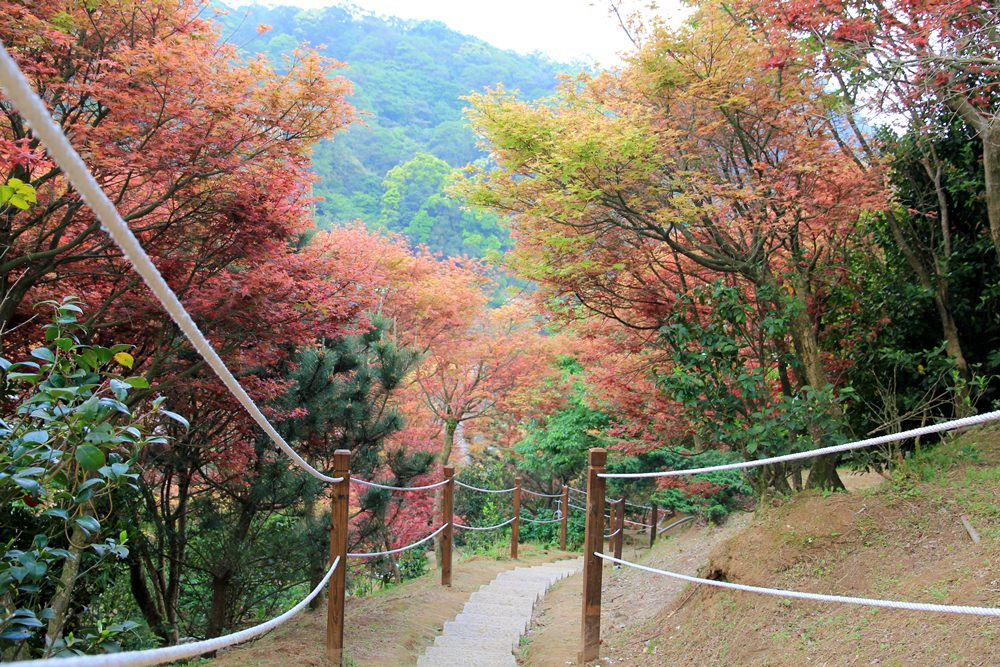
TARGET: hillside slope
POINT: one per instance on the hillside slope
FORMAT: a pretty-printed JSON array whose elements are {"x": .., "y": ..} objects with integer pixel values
[
  {"x": 903, "y": 540},
  {"x": 409, "y": 78}
]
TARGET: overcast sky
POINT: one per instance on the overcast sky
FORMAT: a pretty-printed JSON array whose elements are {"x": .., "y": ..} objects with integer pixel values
[{"x": 565, "y": 30}]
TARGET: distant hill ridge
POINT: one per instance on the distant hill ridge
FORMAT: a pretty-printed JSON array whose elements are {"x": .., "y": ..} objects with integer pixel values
[{"x": 410, "y": 76}]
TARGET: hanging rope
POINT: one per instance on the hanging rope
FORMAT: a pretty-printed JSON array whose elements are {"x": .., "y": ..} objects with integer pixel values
[
  {"x": 529, "y": 520},
  {"x": 675, "y": 523},
  {"x": 541, "y": 495},
  {"x": 499, "y": 525},
  {"x": 476, "y": 488},
  {"x": 158, "y": 656},
  {"x": 376, "y": 485},
  {"x": 890, "y": 604},
  {"x": 859, "y": 444},
  {"x": 33, "y": 110},
  {"x": 374, "y": 554}
]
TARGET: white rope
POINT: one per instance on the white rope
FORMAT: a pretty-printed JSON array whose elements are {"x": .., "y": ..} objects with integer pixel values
[
  {"x": 373, "y": 554},
  {"x": 158, "y": 656},
  {"x": 376, "y": 485},
  {"x": 890, "y": 604},
  {"x": 582, "y": 493},
  {"x": 499, "y": 525},
  {"x": 577, "y": 507},
  {"x": 859, "y": 444},
  {"x": 637, "y": 523},
  {"x": 641, "y": 507},
  {"x": 476, "y": 488},
  {"x": 33, "y": 110},
  {"x": 610, "y": 535},
  {"x": 675, "y": 523},
  {"x": 542, "y": 495},
  {"x": 556, "y": 520}
]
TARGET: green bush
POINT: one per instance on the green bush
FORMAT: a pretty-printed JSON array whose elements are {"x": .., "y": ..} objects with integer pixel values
[{"x": 68, "y": 443}]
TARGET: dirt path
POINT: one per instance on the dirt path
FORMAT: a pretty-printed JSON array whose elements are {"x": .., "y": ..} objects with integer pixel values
[
  {"x": 388, "y": 629},
  {"x": 631, "y": 598}
]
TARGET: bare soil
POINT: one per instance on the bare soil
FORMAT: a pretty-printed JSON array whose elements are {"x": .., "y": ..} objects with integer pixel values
[
  {"x": 901, "y": 540},
  {"x": 631, "y": 598},
  {"x": 389, "y": 629}
]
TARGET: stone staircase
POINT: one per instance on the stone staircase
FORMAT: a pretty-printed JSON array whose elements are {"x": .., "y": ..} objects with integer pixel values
[{"x": 486, "y": 631}]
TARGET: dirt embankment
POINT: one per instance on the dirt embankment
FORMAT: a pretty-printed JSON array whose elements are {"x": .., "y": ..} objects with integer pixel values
[{"x": 903, "y": 541}]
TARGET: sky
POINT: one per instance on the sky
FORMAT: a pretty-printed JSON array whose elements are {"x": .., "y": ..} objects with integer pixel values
[{"x": 565, "y": 30}]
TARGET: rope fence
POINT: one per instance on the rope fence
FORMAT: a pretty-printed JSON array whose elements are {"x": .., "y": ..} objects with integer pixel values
[
  {"x": 531, "y": 520},
  {"x": 480, "y": 490},
  {"x": 376, "y": 485},
  {"x": 375, "y": 554},
  {"x": 542, "y": 495},
  {"x": 675, "y": 523},
  {"x": 819, "y": 597},
  {"x": 159, "y": 656},
  {"x": 823, "y": 451},
  {"x": 494, "y": 527}
]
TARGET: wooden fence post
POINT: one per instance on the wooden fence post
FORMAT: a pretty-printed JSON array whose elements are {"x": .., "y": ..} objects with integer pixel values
[
  {"x": 515, "y": 529},
  {"x": 340, "y": 498},
  {"x": 448, "y": 518},
  {"x": 593, "y": 570},
  {"x": 654, "y": 518},
  {"x": 619, "y": 526},
  {"x": 565, "y": 517}
]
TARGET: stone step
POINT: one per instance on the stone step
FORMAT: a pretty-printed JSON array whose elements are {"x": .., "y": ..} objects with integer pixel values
[
  {"x": 483, "y": 628},
  {"x": 491, "y": 623},
  {"x": 499, "y": 610},
  {"x": 472, "y": 639},
  {"x": 442, "y": 657},
  {"x": 491, "y": 620}
]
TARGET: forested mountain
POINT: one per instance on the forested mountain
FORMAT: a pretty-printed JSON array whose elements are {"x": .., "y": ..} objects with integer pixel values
[{"x": 409, "y": 78}]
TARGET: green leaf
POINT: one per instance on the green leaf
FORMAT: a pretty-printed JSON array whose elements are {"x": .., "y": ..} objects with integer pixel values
[
  {"x": 177, "y": 418},
  {"x": 90, "y": 458},
  {"x": 88, "y": 523},
  {"x": 57, "y": 512},
  {"x": 43, "y": 353},
  {"x": 41, "y": 437},
  {"x": 29, "y": 485},
  {"x": 138, "y": 382},
  {"x": 25, "y": 377},
  {"x": 119, "y": 389}
]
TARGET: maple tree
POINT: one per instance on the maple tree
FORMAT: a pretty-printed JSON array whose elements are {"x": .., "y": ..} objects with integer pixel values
[
  {"x": 912, "y": 59},
  {"x": 205, "y": 153},
  {"x": 695, "y": 161}
]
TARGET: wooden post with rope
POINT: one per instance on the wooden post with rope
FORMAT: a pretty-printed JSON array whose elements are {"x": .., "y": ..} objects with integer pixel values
[
  {"x": 593, "y": 570},
  {"x": 340, "y": 498},
  {"x": 515, "y": 528},
  {"x": 654, "y": 518},
  {"x": 619, "y": 526},
  {"x": 447, "y": 518},
  {"x": 565, "y": 517}
]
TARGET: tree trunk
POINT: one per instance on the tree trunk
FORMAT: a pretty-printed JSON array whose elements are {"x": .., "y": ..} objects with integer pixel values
[
  {"x": 316, "y": 569},
  {"x": 67, "y": 582},
  {"x": 218, "y": 616},
  {"x": 991, "y": 167},
  {"x": 823, "y": 469},
  {"x": 450, "y": 426}
]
